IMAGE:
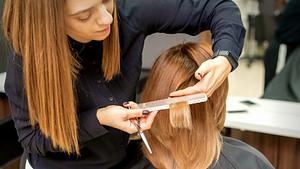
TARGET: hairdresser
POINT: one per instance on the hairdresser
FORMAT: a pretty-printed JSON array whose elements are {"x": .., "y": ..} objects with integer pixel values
[{"x": 76, "y": 62}]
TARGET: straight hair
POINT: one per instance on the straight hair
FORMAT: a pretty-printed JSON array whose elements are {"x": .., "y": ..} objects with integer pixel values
[
  {"x": 36, "y": 30},
  {"x": 111, "y": 60},
  {"x": 184, "y": 135}
]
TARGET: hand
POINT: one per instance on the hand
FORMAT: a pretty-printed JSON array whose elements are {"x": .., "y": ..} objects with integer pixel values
[
  {"x": 146, "y": 120},
  {"x": 120, "y": 118},
  {"x": 211, "y": 74}
]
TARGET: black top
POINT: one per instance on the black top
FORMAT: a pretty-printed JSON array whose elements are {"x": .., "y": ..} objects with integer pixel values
[{"x": 103, "y": 147}]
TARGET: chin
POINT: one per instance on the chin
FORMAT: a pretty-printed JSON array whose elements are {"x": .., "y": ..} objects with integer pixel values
[{"x": 101, "y": 37}]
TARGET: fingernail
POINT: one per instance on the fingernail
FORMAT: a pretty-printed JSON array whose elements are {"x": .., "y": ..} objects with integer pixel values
[
  {"x": 125, "y": 103},
  {"x": 201, "y": 76},
  {"x": 145, "y": 112}
]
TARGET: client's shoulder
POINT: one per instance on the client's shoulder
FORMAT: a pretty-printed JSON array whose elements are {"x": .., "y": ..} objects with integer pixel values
[{"x": 236, "y": 154}]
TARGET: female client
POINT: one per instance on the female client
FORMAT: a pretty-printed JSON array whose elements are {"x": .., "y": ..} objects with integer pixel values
[{"x": 188, "y": 136}]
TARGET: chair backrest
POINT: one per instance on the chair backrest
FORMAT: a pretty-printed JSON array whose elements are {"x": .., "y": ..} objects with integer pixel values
[{"x": 286, "y": 84}]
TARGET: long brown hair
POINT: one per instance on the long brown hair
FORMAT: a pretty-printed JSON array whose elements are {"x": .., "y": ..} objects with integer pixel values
[
  {"x": 111, "y": 51},
  {"x": 36, "y": 30},
  {"x": 179, "y": 146}
]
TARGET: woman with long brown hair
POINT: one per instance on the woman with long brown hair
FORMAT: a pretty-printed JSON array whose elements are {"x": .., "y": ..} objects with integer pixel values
[
  {"x": 189, "y": 136},
  {"x": 75, "y": 62}
]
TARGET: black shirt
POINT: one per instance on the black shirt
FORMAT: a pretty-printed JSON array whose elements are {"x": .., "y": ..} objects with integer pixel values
[{"x": 102, "y": 146}]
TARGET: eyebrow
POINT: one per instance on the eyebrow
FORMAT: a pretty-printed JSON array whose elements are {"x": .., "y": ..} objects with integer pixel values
[{"x": 81, "y": 11}]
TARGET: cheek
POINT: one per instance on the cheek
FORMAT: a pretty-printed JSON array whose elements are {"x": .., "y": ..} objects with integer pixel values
[{"x": 75, "y": 27}]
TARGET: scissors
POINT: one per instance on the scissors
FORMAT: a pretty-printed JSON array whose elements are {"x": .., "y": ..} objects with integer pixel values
[
  {"x": 142, "y": 135},
  {"x": 140, "y": 132}
]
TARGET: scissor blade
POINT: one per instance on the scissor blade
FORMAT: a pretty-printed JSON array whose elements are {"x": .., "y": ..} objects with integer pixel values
[
  {"x": 145, "y": 142},
  {"x": 165, "y": 103}
]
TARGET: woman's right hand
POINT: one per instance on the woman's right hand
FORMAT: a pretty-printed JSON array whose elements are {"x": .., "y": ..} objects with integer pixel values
[{"x": 120, "y": 118}]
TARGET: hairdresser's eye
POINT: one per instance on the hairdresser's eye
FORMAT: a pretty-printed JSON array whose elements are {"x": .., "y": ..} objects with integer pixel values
[{"x": 84, "y": 18}]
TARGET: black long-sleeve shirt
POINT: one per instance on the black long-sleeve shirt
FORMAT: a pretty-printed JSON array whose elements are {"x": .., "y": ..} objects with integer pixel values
[{"x": 104, "y": 147}]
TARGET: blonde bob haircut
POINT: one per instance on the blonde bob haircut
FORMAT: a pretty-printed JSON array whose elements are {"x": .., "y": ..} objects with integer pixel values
[
  {"x": 36, "y": 30},
  {"x": 184, "y": 135}
]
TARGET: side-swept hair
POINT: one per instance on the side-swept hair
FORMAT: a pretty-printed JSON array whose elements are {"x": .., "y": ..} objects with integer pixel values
[{"x": 185, "y": 135}]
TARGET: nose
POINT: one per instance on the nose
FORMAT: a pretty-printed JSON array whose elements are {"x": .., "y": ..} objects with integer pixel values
[{"x": 104, "y": 17}]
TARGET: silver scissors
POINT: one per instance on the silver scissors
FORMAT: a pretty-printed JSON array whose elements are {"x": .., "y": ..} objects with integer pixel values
[
  {"x": 140, "y": 132},
  {"x": 142, "y": 135}
]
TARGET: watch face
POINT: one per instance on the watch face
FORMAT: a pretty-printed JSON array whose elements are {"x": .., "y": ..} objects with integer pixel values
[
  {"x": 222, "y": 53},
  {"x": 229, "y": 57}
]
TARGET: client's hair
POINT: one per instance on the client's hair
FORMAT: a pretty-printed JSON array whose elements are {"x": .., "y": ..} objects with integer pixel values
[{"x": 186, "y": 136}]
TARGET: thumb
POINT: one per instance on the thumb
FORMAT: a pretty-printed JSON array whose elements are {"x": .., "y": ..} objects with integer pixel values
[
  {"x": 203, "y": 69},
  {"x": 148, "y": 121},
  {"x": 133, "y": 113}
]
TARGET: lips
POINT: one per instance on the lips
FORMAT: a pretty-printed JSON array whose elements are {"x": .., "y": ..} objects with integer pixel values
[{"x": 103, "y": 30}]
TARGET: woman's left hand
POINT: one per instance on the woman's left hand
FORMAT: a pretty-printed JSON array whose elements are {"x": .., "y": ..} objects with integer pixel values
[{"x": 211, "y": 74}]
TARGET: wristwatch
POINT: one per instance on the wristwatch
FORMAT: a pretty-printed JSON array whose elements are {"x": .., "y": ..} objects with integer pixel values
[{"x": 228, "y": 55}]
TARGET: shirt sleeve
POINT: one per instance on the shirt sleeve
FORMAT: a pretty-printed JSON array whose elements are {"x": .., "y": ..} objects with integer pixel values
[
  {"x": 31, "y": 138},
  {"x": 222, "y": 17}
]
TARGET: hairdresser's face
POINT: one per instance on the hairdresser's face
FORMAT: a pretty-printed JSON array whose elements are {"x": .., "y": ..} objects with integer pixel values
[{"x": 88, "y": 20}]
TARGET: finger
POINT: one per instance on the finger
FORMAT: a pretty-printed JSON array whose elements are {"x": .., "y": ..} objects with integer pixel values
[
  {"x": 146, "y": 112},
  {"x": 132, "y": 128},
  {"x": 209, "y": 84},
  {"x": 133, "y": 113},
  {"x": 147, "y": 121},
  {"x": 203, "y": 69},
  {"x": 125, "y": 104},
  {"x": 132, "y": 105},
  {"x": 210, "y": 92},
  {"x": 202, "y": 86},
  {"x": 186, "y": 91}
]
